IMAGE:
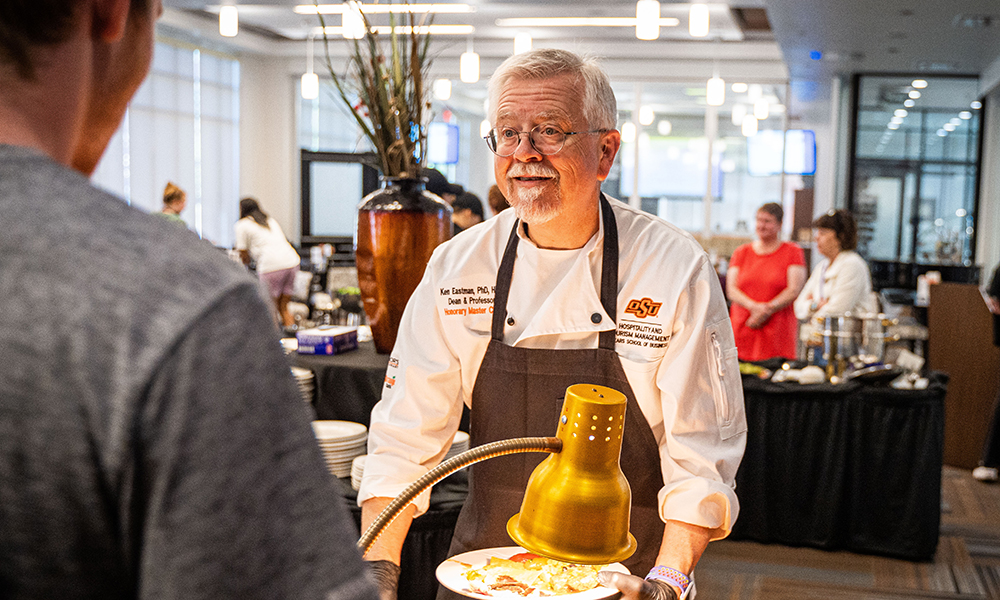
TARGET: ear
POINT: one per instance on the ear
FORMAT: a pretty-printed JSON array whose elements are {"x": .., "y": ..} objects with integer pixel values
[
  {"x": 109, "y": 18},
  {"x": 610, "y": 142}
]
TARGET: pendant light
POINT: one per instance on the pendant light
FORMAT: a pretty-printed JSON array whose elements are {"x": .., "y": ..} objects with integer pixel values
[
  {"x": 522, "y": 43},
  {"x": 749, "y": 126},
  {"x": 310, "y": 81},
  {"x": 698, "y": 20},
  {"x": 442, "y": 89},
  {"x": 646, "y": 115},
  {"x": 229, "y": 21},
  {"x": 715, "y": 91},
  {"x": 760, "y": 109},
  {"x": 468, "y": 65},
  {"x": 739, "y": 111},
  {"x": 647, "y": 19}
]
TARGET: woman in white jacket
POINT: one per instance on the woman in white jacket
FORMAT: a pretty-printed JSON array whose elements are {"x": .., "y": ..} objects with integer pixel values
[{"x": 841, "y": 282}]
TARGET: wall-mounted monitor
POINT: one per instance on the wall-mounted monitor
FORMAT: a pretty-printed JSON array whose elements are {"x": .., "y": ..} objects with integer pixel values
[
  {"x": 765, "y": 150},
  {"x": 442, "y": 143}
]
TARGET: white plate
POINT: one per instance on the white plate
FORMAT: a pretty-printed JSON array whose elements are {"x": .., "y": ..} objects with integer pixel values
[
  {"x": 451, "y": 574},
  {"x": 338, "y": 430}
]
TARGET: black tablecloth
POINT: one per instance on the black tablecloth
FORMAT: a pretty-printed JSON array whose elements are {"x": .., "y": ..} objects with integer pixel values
[
  {"x": 851, "y": 466},
  {"x": 347, "y": 385}
]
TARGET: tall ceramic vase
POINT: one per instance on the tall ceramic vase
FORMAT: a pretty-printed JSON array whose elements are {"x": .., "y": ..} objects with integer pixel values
[{"x": 399, "y": 225}]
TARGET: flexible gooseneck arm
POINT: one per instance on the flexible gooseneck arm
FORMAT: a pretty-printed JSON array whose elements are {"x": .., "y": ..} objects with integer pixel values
[{"x": 456, "y": 463}]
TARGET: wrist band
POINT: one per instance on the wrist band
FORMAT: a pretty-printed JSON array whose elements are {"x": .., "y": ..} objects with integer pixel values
[{"x": 670, "y": 575}]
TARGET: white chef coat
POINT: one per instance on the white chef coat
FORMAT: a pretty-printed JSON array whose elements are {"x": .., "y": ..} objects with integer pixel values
[
  {"x": 674, "y": 340},
  {"x": 266, "y": 245},
  {"x": 845, "y": 283}
]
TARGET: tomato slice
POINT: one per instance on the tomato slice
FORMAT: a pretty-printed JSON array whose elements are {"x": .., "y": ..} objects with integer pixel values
[{"x": 523, "y": 557}]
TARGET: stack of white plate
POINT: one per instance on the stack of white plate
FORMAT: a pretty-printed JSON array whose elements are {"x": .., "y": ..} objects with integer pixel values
[
  {"x": 357, "y": 470},
  {"x": 459, "y": 444},
  {"x": 341, "y": 442},
  {"x": 306, "y": 381},
  {"x": 289, "y": 345}
]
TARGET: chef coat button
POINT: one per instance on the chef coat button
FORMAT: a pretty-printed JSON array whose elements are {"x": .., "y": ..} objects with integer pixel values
[
  {"x": 595, "y": 318},
  {"x": 510, "y": 321}
]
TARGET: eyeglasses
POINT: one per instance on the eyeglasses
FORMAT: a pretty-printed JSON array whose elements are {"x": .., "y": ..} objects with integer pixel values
[{"x": 545, "y": 139}]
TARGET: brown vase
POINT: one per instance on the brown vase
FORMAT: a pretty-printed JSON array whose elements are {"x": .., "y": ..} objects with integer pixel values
[{"x": 399, "y": 225}]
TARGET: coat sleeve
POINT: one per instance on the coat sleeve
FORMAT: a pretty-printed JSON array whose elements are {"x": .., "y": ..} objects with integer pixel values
[
  {"x": 704, "y": 423},
  {"x": 852, "y": 283}
]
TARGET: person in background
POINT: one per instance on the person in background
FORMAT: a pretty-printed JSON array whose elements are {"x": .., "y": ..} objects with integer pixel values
[
  {"x": 496, "y": 200},
  {"x": 438, "y": 184},
  {"x": 989, "y": 463},
  {"x": 154, "y": 443},
  {"x": 763, "y": 279},
  {"x": 467, "y": 211},
  {"x": 259, "y": 237},
  {"x": 587, "y": 290},
  {"x": 841, "y": 282},
  {"x": 174, "y": 200}
]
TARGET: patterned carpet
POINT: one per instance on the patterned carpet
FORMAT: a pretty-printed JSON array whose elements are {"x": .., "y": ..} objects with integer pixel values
[{"x": 966, "y": 565}]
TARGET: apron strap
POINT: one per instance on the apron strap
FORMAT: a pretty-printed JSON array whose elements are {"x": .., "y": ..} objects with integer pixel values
[
  {"x": 609, "y": 273},
  {"x": 609, "y": 277},
  {"x": 502, "y": 290}
]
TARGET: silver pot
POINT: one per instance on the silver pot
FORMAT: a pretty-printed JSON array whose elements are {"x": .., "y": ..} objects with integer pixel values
[{"x": 850, "y": 339}]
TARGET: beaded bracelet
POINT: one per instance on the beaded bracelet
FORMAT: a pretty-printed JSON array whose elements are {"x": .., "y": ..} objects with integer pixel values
[{"x": 670, "y": 575}]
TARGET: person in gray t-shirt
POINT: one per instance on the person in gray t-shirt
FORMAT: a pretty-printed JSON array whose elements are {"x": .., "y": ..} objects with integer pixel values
[{"x": 153, "y": 444}]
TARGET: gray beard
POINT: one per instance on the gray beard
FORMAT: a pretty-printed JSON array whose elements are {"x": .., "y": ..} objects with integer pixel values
[{"x": 534, "y": 209}]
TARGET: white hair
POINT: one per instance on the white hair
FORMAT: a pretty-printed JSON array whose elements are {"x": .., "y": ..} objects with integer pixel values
[{"x": 599, "y": 105}]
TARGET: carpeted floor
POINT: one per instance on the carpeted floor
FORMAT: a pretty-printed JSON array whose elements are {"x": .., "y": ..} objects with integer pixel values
[{"x": 966, "y": 565}]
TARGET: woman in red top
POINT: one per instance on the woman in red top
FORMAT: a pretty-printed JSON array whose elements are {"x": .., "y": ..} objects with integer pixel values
[{"x": 764, "y": 278}]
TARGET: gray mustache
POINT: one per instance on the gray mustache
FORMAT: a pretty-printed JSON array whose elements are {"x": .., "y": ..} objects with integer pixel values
[{"x": 531, "y": 171}]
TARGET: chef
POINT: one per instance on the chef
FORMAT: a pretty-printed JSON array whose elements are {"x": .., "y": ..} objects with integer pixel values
[{"x": 569, "y": 287}]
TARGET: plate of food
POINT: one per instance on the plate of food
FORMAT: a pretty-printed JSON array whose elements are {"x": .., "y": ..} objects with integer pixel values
[{"x": 513, "y": 572}]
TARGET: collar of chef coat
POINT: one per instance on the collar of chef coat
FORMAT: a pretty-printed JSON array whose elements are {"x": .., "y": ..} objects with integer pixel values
[{"x": 570, "y": 307}]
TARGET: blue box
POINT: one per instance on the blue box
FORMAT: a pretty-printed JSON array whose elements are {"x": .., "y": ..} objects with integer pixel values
[{"x": 327, "y": 339}]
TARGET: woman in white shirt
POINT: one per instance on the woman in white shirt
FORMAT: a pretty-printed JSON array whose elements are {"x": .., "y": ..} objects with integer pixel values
[
  {"x": 259, "y": 237},
  {"x": 841, "y": 282}
]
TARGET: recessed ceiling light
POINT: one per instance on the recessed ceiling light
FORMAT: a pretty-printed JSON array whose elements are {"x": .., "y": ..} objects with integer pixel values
[
  {"x": 965, "y": 115},
  {"x": 331, "y": 9},
  {"x": 405, "y": 30},
  {"x": 919, "y": 83},
  {"x": 909, "y": 103},
  {"x": 893, "y": 125},
  {"x": 976, "y": 105},
  {"x": 955, "y": 121},
  {"x": 900, "y": 112},
  {"x": 914, "y": 94},
  {"x": 948, "y": 127},
  {"x": 942, "y": 132}
]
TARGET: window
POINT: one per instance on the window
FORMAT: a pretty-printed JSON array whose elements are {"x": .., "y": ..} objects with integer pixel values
[{"x": 181, "y": 126}]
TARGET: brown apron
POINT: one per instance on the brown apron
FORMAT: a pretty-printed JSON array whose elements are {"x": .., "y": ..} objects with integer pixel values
[{"x": 519, "y": 393}]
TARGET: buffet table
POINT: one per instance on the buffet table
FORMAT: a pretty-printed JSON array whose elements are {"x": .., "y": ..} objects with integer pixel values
[
  {"x": 853, "y": 467},
  {"x": 347, "y": 385}
]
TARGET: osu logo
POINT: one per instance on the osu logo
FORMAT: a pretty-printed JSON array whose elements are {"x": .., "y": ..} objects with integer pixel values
[{"x": 643, "y": 308}]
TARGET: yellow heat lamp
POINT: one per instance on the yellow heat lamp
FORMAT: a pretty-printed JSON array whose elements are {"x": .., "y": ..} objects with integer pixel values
[{"x": 581, "y": 482}]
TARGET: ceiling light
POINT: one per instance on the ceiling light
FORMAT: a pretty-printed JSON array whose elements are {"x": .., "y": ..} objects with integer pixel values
[
  {"x": 948, "y": 127},
  {"x": 893, "y": 126},
  {"x": 739, "y": 87},
  {"x": 484, "y": 127},
  {"x": 760, "y": 109},
  {"x": 647, "y": 19},
  {"x": 900, "y": 112},
  {"x": 976, "y": 105},
  {"x": 628, "y": 132},
  {"x": 896, "y": 120},
  {"x": 914, "y": 94},
  {"x": 715, "y": 92},
  {"x": 579, "y": 22},
  {"x": 310, "y": 86},
  {"x": 698, "y": 20},
  {"x": 909, "y": 103},
  {"x": 229, "y": 21},
  {"x": 646, "y": 115},
  {"x": 468, "y": 67},
  {"x": 942, "y": 132},
  {"x": 727, "y": 166},
  {"x": 961, "y": 212},
  {"x": 919, "y": 84},
  {"x": 754, "y": 92},
  {"x": 965, "y": 115},
  {"x": 330, "y": 9},
  {"x": 955, "y": 121},
  {"x": 522, "y": 43},
  {"x": 749, "y": 126},
  {"x": 664, "y": 127},
  {"x": 352, "y": 22},
  {"x": 739, "y": 111},
  {"x": 442, "y": 89},
  {"x": 401, "y": 30}
]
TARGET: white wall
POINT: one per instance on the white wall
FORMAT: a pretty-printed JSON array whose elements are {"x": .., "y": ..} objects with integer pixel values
[{"x": 988, "y": 237}]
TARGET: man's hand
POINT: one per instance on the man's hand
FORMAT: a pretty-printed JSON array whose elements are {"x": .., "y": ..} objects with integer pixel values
[
  {"x": 386, "y": 575},
  {"x": 635, "y": 588}
]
